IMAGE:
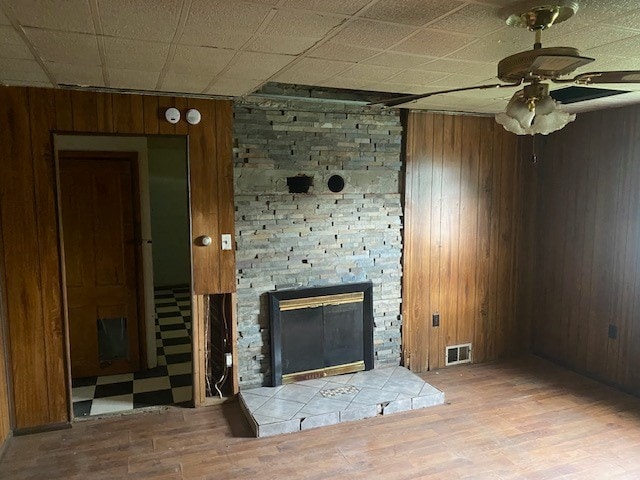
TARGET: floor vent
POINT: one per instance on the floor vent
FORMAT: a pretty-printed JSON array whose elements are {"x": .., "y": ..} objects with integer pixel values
[{"x": 457, "y": 354}]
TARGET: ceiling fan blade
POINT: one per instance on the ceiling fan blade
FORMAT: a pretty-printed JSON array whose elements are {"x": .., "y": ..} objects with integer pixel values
[
  {"x": 392, "y": 102},
  {"x": 616, "y": 76}
]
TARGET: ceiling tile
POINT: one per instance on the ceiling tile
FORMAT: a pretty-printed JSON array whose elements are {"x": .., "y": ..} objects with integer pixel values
[
  {"x": 337, "y": 51},
  {"x": 283, "y": 45},
  {"x": 370, "y": 34},
  {"x": 475, "y": 19},
  {"x": 207, "y": 61},
  {"x": 434, "y": 43},
  {"x": 3, "y": 18},
  {"x": 459, "y": 81},
  {"x": 132, "y": 79},
  {"x": 311, "y": 71},
  {"x": 628, "y": 20},
  {"x": 496, "y": 46},
  {"x": 479, "y": 69},
  {"x": 369, "y": 73},
  {"x": 217, "y": 39},
  {"x": 411, "y": 12},
  {"x": 301, "y": 24},
  {"x": 82, "y": 75},
  {"x": 17, "y": 69},
  {"x": 135, "y": 55},
  {"x": 219, "y": 23},
  {"x": 64, "y": 47},
  {"x": 69, "y": 15},
  {"x": 629, "y": 47},
  {"x": 141, "y": 19},
  {"x": 9, "y": 36},
  {"x": 233, "y": 87},
  {"x": 396, "y": 88},
  {"x": 347, "y": 7},
  {"x": 397, "y": 60},
  {"x": 591, "y": 37},
  {"x": 15, "y": 51},
  {"x": 611, "y": 62},
  {"x": 417, "y": 77},
  {"x": 257, "y": 66},
  {"x": 184, "y": 83},
  {"x": 599, "y": 11}
]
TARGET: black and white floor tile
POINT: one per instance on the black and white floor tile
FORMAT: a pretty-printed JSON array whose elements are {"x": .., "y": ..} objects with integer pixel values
[{"x": 169, "y": 383}]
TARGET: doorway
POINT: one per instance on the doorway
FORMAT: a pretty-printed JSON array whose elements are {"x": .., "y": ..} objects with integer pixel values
[
  {"x": 100, "y": 210},
  {"x": 164, "y": 374}
]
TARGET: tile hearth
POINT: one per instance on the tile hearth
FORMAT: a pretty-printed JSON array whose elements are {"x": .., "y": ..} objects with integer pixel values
[{"x": 342, "y": 398}]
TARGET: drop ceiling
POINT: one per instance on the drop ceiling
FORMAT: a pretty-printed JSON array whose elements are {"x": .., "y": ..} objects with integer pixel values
[{"x": 232, "y": 48}]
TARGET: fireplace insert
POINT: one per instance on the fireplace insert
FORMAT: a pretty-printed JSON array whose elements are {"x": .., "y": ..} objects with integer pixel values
[{"x": 321, "y": 331}]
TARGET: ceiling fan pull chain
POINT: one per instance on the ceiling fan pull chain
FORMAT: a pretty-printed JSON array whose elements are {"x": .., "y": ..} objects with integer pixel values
[{"x": 534, "y": 155}]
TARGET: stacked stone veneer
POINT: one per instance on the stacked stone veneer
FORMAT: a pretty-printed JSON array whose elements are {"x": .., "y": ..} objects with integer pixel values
[{"x": 289, "y": 240}]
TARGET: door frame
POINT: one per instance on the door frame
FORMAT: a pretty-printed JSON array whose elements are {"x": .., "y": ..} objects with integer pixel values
[{"x": 132, "y": 159}]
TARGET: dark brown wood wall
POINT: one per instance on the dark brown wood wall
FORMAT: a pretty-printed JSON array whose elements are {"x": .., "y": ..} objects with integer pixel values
[
  {"x": 467, "y": 253},
  {"x": 588, "y": 246},
  {"x": 5, "y": 421},
  {"x": 29, "y": 221}
]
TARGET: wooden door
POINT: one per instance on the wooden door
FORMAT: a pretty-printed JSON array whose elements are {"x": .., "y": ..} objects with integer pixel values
[{"x": 99, "y": 211}]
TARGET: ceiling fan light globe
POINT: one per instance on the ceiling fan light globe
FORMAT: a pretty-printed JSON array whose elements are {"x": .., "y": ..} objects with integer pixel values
[
  {"x": 545, "y": 105},
  {"x": 546, "y": 124},
  {"x": 510, "y": 124}
]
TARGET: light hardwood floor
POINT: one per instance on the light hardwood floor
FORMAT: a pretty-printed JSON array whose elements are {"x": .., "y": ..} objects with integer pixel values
[{"x": 523, "y": 419}]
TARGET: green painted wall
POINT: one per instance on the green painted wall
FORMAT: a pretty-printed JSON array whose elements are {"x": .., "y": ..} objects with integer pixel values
[{"x": 169, "y": 211}]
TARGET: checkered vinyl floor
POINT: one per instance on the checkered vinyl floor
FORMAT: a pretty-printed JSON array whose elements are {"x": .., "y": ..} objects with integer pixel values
[{"x": 168, "y": 383}]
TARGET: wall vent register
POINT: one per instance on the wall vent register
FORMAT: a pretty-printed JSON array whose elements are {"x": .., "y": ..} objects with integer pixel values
[{"x": 457, "y": 354}]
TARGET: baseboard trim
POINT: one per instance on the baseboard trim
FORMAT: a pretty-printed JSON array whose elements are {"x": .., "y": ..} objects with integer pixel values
[{"x": 18, "y": 432}]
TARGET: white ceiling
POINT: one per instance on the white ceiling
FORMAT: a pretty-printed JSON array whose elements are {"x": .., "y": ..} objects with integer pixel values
[{"x": 232, "y": 47}]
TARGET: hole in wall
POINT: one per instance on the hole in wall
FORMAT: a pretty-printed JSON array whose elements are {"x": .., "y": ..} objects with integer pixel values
[
  {"x": 336, "y": 183},
  {"x": 299, "y": 183}
]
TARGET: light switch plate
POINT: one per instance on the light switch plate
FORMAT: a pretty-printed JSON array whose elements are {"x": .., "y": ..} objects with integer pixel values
[{"x": 226, "y": 241}]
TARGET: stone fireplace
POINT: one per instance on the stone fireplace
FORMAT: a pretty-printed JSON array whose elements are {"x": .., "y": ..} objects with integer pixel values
[
  {"x": 317, "y": 196},
  {"x": 319, "y": 332}
]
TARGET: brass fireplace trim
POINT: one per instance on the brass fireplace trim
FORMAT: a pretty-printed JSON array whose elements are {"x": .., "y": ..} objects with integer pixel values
[
  {"x": 321, "y": 301},
  {"x": 323, "y": 372}
]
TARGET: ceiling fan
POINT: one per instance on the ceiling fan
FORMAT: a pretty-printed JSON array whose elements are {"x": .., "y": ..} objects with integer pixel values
[{"x": 532, "y": 110}]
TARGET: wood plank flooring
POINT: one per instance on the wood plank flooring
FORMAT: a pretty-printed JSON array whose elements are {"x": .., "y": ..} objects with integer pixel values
[{"x": 524, "y": 419}]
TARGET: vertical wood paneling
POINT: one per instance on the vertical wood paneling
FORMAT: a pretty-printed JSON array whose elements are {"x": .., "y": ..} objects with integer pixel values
[
  {"x": 467, "y": 226},
  {"x": 5, "y": 419},
  {"x": 85, "y": 111},
  {"x": 417, "y": 260},
  {"x": 588, "y": 264},
  {"x": 29, "y": 223},
  {"x": 224, "y": 153},
  {"x": 22, "y": 262},
  {"x": 203, "y": 175},
  {"x": 42, "y": 121}
]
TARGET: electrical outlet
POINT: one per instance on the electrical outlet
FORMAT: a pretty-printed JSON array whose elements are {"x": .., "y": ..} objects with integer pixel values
[
  {"x": 228, "y": 359},
  {"x": 436, "y": 319}
]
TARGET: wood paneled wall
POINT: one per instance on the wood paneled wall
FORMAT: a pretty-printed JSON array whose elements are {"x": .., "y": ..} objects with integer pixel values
[
  {"x": 467, "y": 248},
  {"x": 5, "y": 421},
  {"x": 29, "y": 221},
  {"x": 588, "y": 246}
]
